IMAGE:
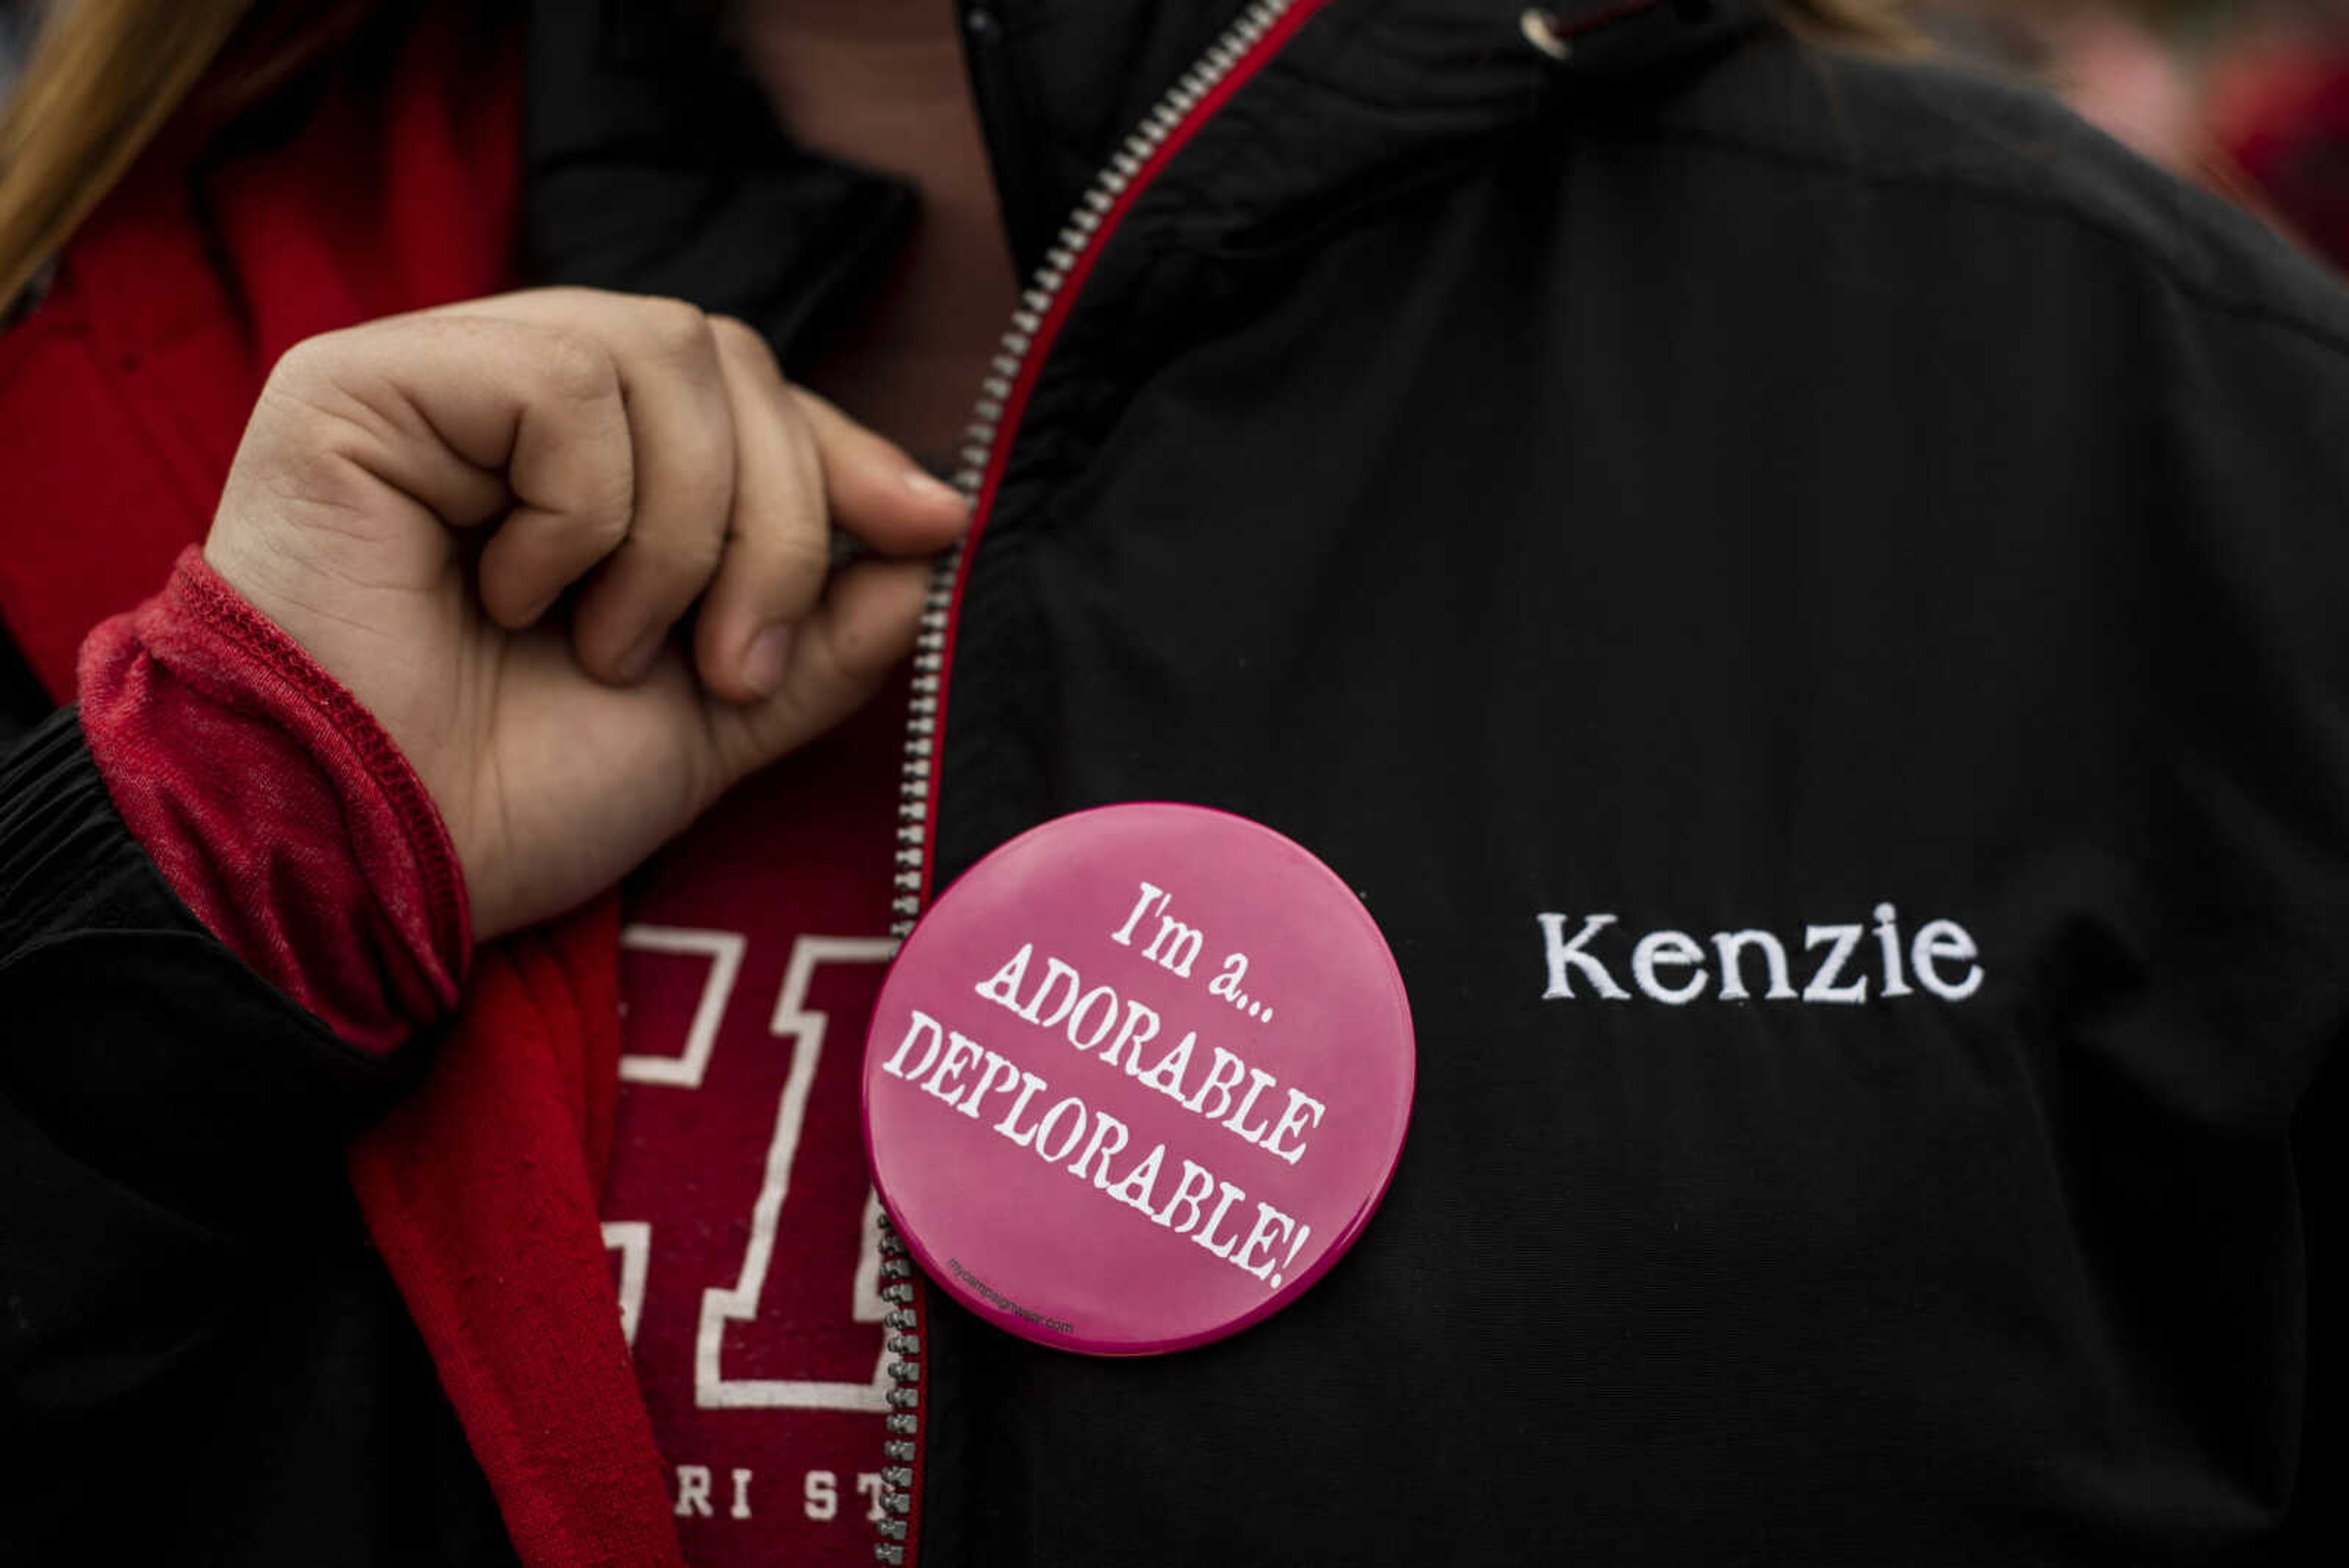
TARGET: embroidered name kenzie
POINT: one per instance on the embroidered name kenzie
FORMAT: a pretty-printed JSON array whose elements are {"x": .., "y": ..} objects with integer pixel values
[{"x": 1676, "y": 968}]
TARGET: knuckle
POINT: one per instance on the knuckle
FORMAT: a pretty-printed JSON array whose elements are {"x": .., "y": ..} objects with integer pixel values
[
  {"x": 675, "y": 327},
  {"x": 605, "y": 526},
  {"x": 570, "y": 302},
  {"x": 312, "y": 362},
  {"x": 573, "y": 368},
  {"x": 739, "y": 343}
]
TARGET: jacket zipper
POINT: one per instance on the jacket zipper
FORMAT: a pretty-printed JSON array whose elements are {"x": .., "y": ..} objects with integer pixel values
[{"x": 1229, "y": 61}]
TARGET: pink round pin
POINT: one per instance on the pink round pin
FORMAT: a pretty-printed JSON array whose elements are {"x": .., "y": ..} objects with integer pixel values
[{"x": 1137, "y": 1079}]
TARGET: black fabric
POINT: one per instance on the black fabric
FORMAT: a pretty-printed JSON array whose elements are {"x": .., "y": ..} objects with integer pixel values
[
  {"x": 2320, "y": 1506},
  {"x": 1062, "y": 83},
  {"x": 651, "y": 164},
  {"x": 1702, "y": 483},
  {"x": 24, "y": 701},
  {"x": 200, "y": 1356},
  {"x": 1816, "y": 488}
]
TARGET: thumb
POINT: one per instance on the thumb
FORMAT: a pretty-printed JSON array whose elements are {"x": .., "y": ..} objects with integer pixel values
[
  {"x": 837, "y": 658},
  {"x": 874, "y": 492}
]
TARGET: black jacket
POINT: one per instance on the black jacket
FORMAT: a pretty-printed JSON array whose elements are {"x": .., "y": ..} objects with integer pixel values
[{"x": 1701, "y": 487}]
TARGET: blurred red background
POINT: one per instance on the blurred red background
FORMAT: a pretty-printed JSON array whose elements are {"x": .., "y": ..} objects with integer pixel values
[{"x": 2251, "y": 97}]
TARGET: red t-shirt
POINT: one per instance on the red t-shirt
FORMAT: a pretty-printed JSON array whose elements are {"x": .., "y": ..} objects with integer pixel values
[{"x": 738, "y": 1213}]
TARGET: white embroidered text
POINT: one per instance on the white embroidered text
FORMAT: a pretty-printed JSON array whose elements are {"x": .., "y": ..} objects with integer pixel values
[{"x": 1839, "y": 963}]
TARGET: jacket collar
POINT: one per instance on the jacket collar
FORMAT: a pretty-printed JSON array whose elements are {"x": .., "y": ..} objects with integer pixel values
[{"x": 651, "y": 164}]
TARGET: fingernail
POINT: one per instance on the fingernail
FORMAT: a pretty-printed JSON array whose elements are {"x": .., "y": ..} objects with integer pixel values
[
  {"x": 928, "y": 486},
  {"x": 762, "y": 663},
  {"x": 639, "y": 658}
]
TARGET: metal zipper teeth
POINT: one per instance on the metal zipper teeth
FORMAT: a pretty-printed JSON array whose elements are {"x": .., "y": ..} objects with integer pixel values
[{"x": 917, "y": 774}]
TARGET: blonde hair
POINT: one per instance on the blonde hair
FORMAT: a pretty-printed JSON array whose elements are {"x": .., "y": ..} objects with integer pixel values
[
  {"x": 102, "y": 77},
  {"x": 105, "y": 76}
]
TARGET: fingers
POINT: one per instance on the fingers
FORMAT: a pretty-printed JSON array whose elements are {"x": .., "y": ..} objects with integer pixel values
[
  {"x": 438, "y": 420},
  {"x": 839, "y": 656},
  {"x": 680, "y": 433},
  {"x": 642, "y": 451},
  {"x": 739, "y": 480},
  {"x": 681, "y": 436},
  {"x": 876, "y": 491},
  {"x": 803, "y": 468},
  {"x": 572, "y": 473},
  {"x": 778, "y": 543}
]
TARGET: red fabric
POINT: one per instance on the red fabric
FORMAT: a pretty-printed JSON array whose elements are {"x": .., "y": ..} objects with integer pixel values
[
  {"x": 277, "y": 808},
  {"x": 2283, "y": 117},
  {"x": 480, "y": 1193},
  {"x": 121, "y": 401},
  {"x": 123, "y": 395},
  {"x": 752, "y": 957}
]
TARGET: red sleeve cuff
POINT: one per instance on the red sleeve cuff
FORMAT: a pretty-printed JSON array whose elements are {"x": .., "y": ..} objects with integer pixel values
[{"x": 277, "y": 808}]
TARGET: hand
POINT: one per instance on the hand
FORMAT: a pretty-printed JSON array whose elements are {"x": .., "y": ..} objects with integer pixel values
[{"x": 413, "y": 497}]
